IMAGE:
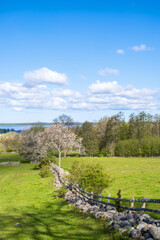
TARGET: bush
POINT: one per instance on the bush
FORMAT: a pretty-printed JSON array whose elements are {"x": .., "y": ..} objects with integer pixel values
[
  {"x": 44, "y": 171},
  {"x": 46, "y": 161},
  {"x": 8, "y": 150},
  {"x": 61, "y": 192},
  {"x": 90, "y": 177},
  {"x": 24, "y": 160}
]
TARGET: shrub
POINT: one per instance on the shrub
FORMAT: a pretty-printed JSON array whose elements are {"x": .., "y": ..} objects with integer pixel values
[
  {"x": 61, "y": 192},
  {"x": 100, "y": 155},
  {"x": 44, "y": 171},
  {"x": 118, "y": 202},
  {"x": 46, "y": 161},
  {"x": 8, "y": 150},
  {"x": 89, "y": 176},
  {"x": 24, "y": 160}
]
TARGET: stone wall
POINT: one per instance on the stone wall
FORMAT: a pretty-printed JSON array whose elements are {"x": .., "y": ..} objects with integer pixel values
[{"x": 138, "y": 225}]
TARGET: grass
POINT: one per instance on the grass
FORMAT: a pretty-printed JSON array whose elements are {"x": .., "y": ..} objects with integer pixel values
[
  {"x": 30, "y": 210},
  {"x": 9, "y": 157},
  {"x": 136, "y": 177}
]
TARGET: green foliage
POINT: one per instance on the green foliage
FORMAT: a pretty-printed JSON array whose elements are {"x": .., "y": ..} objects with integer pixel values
[
  {"x": 118, "y": 201},
  {"x": 10, "y": 157},
  {"x": 44, "y": 171},
  {"x": 46, "y": 161},
  {"x": 8, "y": 150},
  {"x": 24, "y": 160},
  {"x": 103, "y": 152},
  {"x": 90, "y": 141},
  {"x": 90, "y": 177},
  {"x": 61, "y": 192},
  {"x": 133, "y": 147}
]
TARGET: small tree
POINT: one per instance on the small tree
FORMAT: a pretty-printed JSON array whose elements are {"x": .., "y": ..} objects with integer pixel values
[
  {"x": 90, "y": 177},
  {"x": 61, "y": 138},
  {"x": 32, "y": 145},
  {"x": 10, "y": 141}
]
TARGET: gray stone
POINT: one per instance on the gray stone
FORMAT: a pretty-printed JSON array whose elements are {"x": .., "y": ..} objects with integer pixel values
[
  {"x": 135, "y": 233},
  {"x": 142, "y": 238},
  {"x": 124, "y": 224},
  {"x": 155, "y": 232},
  {"x": 141, "y": 226},
  {"x": 146, "y": 235},
  {"x": 115, "y": 226}
]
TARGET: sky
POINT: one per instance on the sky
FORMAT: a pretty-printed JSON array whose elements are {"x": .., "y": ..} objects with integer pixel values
[{"x": 87, "y": 59}]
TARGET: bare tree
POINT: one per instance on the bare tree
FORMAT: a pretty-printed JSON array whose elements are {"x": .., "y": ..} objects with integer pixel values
[{"x": 64, "y": 119}]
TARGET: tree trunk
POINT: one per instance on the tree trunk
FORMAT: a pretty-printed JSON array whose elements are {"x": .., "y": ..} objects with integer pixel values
[{"x": 59, "y": 158}]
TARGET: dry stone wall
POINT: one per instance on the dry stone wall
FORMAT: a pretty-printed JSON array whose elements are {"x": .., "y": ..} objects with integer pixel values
[{"x": 138, "y": 225}]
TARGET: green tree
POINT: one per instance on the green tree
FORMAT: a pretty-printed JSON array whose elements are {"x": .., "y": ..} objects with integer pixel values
[{"x": 90, "y": 140}]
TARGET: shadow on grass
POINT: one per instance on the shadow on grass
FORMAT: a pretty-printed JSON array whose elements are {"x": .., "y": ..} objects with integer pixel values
[{"x": 55, "y": 220}]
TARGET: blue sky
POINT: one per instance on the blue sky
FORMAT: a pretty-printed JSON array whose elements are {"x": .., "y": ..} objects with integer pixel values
[{"x": 87, "y": 59}]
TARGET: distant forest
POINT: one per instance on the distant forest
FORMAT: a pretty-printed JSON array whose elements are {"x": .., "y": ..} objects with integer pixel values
[{"x": 113, "y": 136}]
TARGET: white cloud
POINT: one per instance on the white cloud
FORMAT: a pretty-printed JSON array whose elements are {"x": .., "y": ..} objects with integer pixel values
[
  {"x": 120, "y": 51},
  {"x": 104, "y": 87},
  {"x": 100, "y": 96},
  {"x": 140, "y": 48},
  {"x": 111, "y": 95},
  {"x": 66, "y": 93},
  {"x": 44, "y": 75},
  {"x": 108, "y": 72}
]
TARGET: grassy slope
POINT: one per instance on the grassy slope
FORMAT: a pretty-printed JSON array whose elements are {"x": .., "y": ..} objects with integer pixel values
[
  {"x": 30, "y": 200},
  {"x": 9, "y": 157},
  {"x": 136, "y": 177}
]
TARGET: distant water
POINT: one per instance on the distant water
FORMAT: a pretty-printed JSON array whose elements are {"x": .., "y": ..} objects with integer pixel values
[{"x": 18, "y": 127}]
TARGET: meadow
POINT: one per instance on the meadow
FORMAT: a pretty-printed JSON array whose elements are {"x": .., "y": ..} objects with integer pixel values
[
  {"x": 30, "y": 209},
  {"x": 135, "y": 177}
]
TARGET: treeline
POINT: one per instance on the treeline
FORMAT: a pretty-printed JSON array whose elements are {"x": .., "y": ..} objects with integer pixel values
[{"x": 113, "y": 136}]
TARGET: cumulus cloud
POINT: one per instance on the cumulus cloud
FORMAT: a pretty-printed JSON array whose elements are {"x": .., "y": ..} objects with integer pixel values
[
  {"x": 108, "y": 72},
  {"x": 111, "y": 95},
  {"x": 120, "y": 51},
  {"x": 104, "y": 87},
  {"x": 116, "y": 89},
  {"x": 20, "y": 97},
  {"x": 44, "y": 75},
  {"x": 66, "y": 93},
  {"x": 140, "y": 48},
  {"x": 100, "y": 96}
]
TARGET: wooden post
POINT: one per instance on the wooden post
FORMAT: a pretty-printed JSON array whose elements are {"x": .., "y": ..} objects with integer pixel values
[
  {"x": 109, "y": 195},
  {"x": 100, "y": 197},
  {"x": 91, "y": 196},
  {"x": 132, "y": 202},
  {"x": 144, "y": 204}
]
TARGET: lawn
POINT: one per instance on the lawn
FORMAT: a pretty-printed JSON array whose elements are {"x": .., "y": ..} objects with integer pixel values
[
  {"x": 30, "y": 210},
  {"x": 136, "y": 177},
  {"x": 9, "y": 157}
]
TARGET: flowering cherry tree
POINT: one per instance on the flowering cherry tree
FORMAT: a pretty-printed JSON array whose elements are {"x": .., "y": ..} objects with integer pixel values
[
  {"x": 36, "y": 144},
  {"x": 61, "y": 138}
]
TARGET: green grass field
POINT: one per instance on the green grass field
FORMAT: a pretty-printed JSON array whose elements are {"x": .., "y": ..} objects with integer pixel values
[
  {"x": 136, "y": 177},
  {"x": 29, "y": 210},
  {"x": 30, "y": 200},
  {"x": 9, "y": 157}
]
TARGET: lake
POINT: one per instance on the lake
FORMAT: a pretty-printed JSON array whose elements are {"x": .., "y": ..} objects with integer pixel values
[{"x": 18, "y": 127}]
